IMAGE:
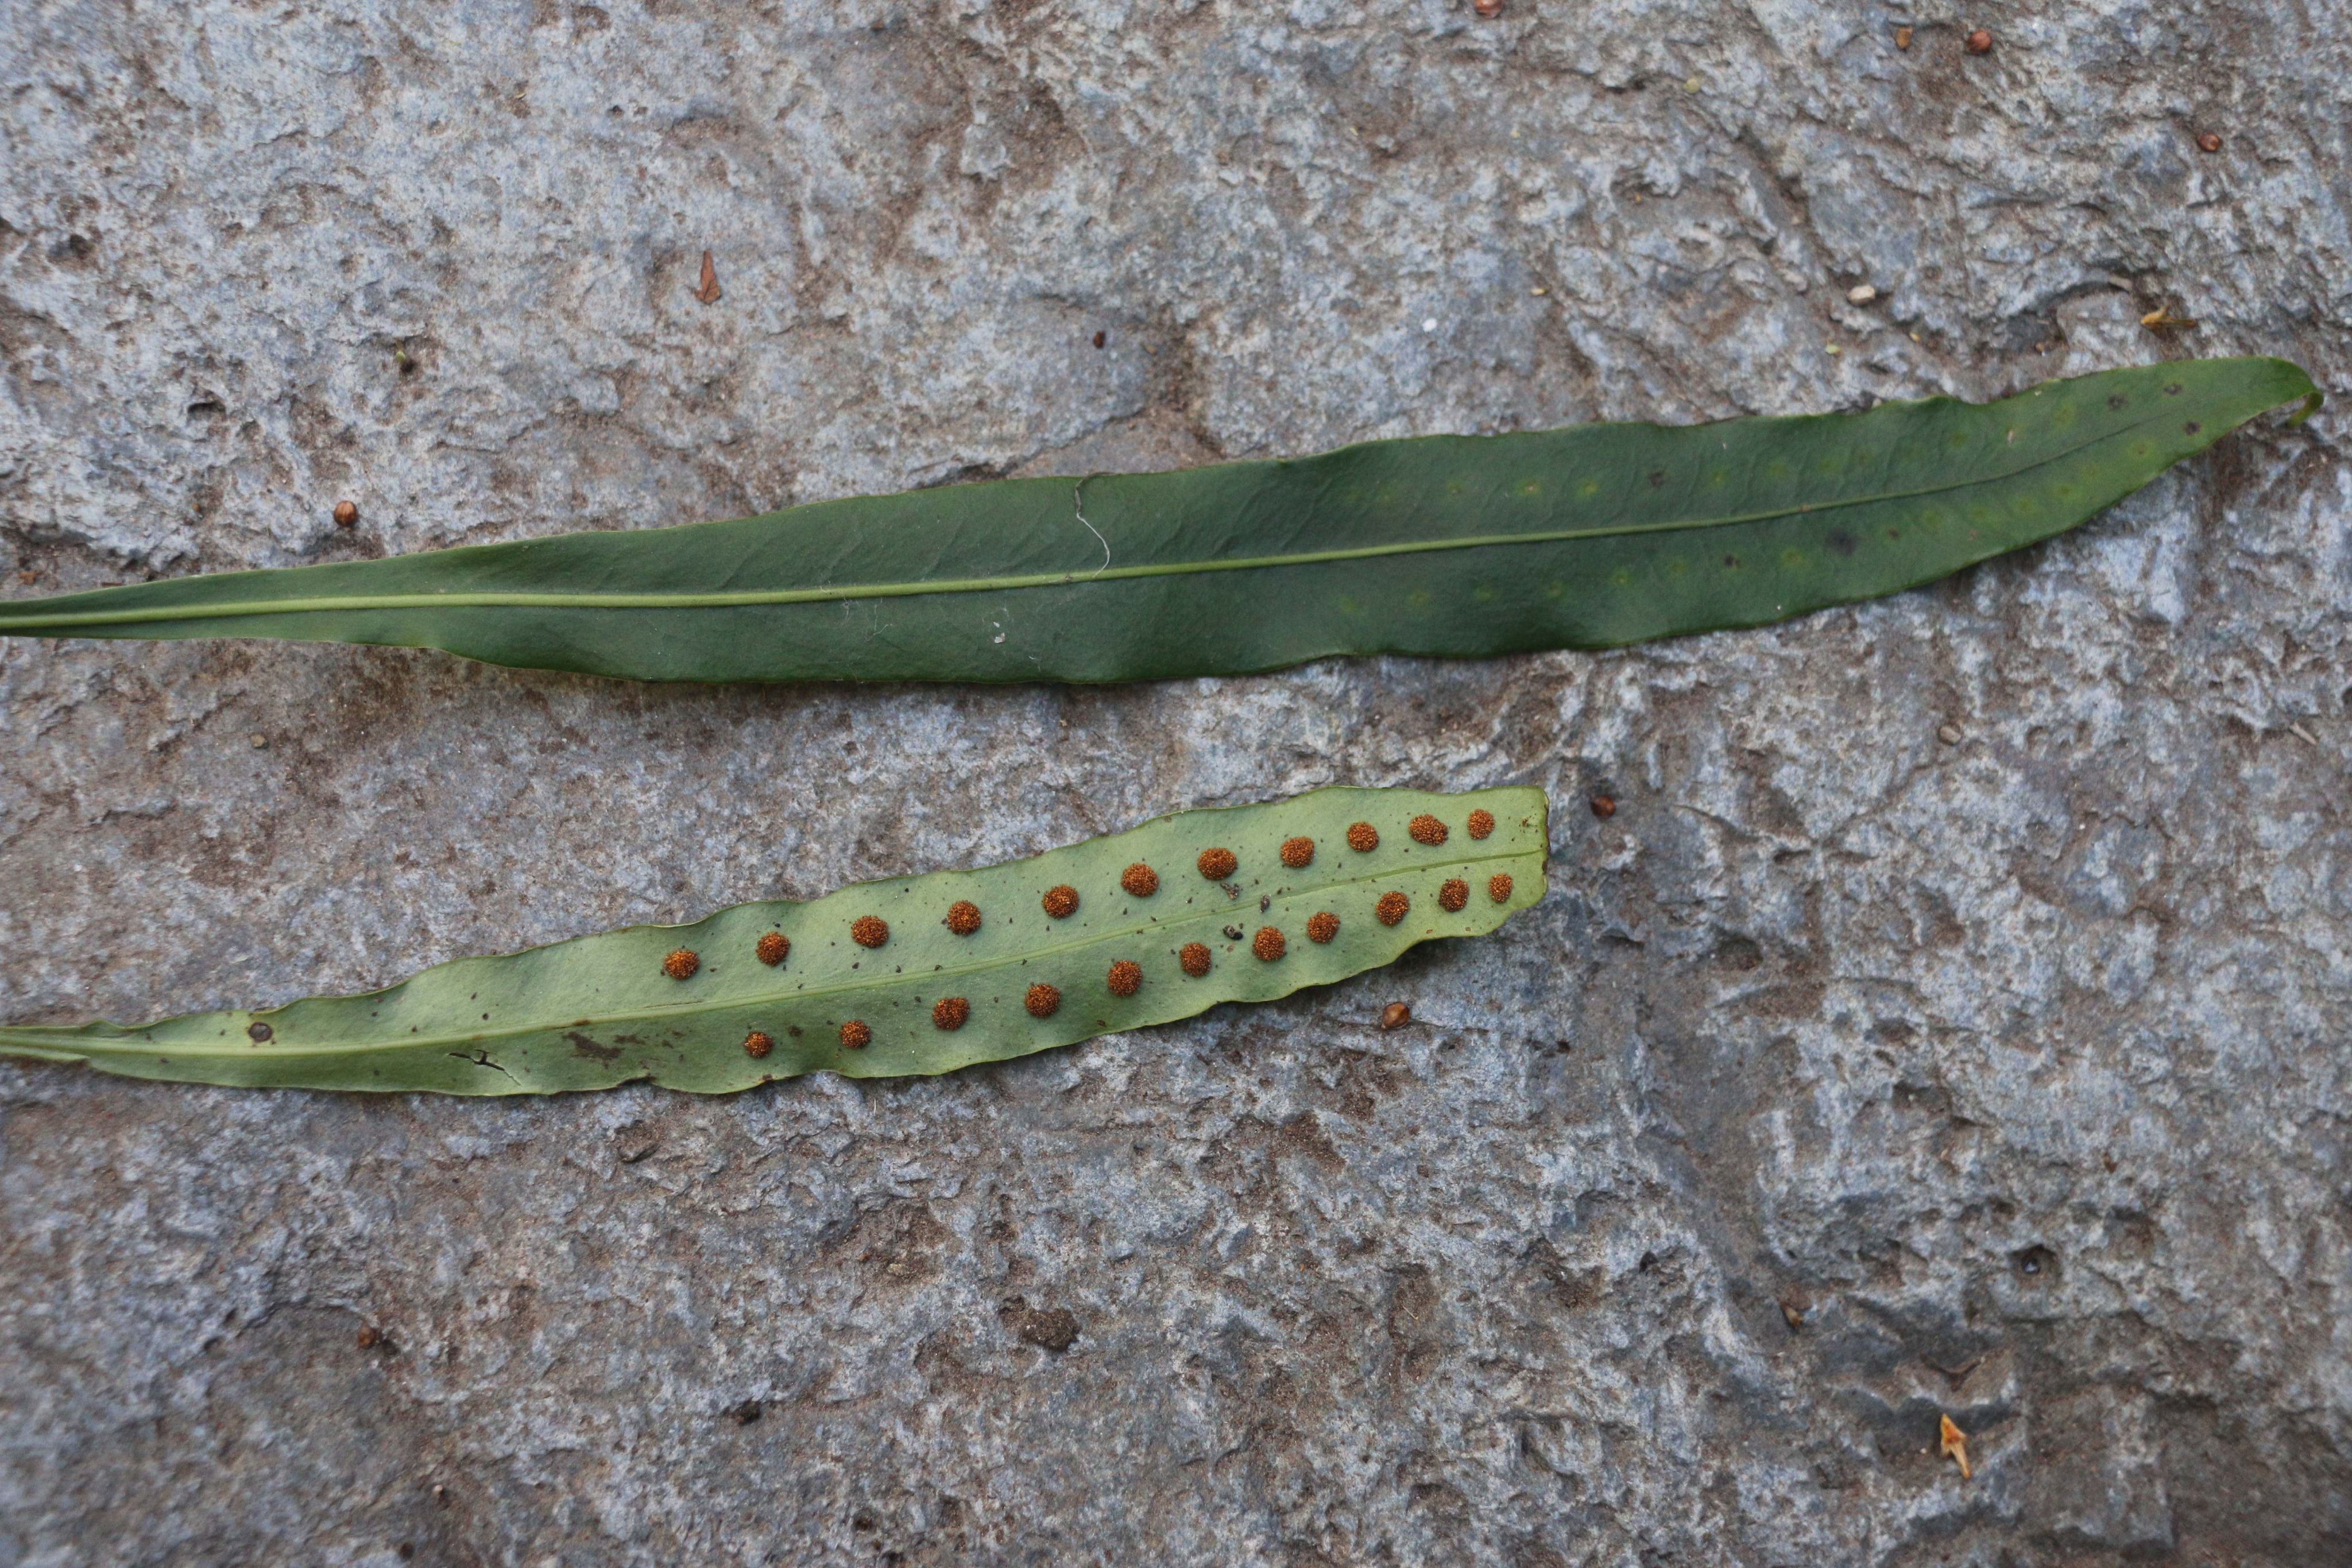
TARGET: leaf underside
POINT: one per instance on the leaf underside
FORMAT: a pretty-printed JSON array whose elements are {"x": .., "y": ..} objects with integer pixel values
[
  {"x": 602, "y": 1010},
  {"x": 1587, "y": 537}
]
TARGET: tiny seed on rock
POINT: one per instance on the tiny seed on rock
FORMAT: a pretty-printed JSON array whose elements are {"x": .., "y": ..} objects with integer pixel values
[
  {"x": 774, "y": 948},
  {"x": 757, "y": 1045},
  {"x": 2208, "y": 142},
  {"x": 1195, "y": 958},
  {"x": 1218, "y": 864},
  {"x": 1426, "y": 830},
  {"x": 1453, "y": 896},
  {"x": 1392, "y": 907},
  {"x": 856, "y": 1036},
  {"x": 1396, "y": 1015},
  {"x": 1042, "y": 1002},
  {"x": 682, "y": 964},
  {"x": 1861, "y": 294},
  {"x": 1604, "y": 806},
  {"x": 1950, "y": 734},
  {"x": 1061, "y": 902},
  {"x": 1269, "y": 944},
  {"x": 1298, "y": 854},
  {"x": 1902, "y": 37},
  {"x": 1363, "y": 838},
  {"x": 1125, "y": 976},
  {"x": 1498, "y": 887},
  {"x": 346, "y": 514},
  {"x": 950, "y": 1013},
  {"x": 1979, "y": 42},
  {"x": 1101, "y": 338},
  {"x": 1322, "y": 926},
  {"x": 370, "y": 1336},
  {"x": 1487, "y": 9},
  {"x": 1140, "y": 881},
  {"x": 963, "y": 918},
  {"x": 1482, "y": 824},
  {"x": 869, "y": 930}
]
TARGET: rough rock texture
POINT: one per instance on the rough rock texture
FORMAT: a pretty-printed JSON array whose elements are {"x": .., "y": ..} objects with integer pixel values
[{"x": 1850, "y": 1075}]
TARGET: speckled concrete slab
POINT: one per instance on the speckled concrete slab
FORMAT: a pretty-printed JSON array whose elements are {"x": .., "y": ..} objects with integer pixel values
[{"x": 1949, "y": 1018}]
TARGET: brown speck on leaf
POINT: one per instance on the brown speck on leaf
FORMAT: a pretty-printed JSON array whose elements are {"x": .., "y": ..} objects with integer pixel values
[
  {"x": 774, "y": 948},
  {"x": 347, "y": 513},
  {"x": 1140, "y": 881},
  {"x": 950, "y": 1013},
  {"x": 855, "y": 1035},
  {"x": 1298, "y": 854},
  {"x": 1902, "y": 37},
  {"x": 1955, "y": 1446},
  {"x": 1426, "y": 830},
  {"x": 1217, "y": 864},
  {"x": 709, "y": 291},
  {"x": 1322, "y": 926},
  {"x": 1481, "y": 823},
  {"x": 757, "y": 1044},
  {"x": 1453, "y": 896},
  {"x": 1604, "y": 806},
  {"x": 1269, "y": 944},
  {"x": 1396, "y": 1015},
  {"x": 1061, "y": 902},
  {"x": 682, "y": 964},
  {"x": 869, "y": 930},
  {"x": 1498, "y": 887},
  {"x": 1979, "y": 42},
  {"x": 1363, "y": 838},
  {"x": 963, "y": 918},
  {"x": 1042, "y": 1002},
  {"x": 1125, "y": 979},
  {"x": 260, "y": 1033},
  {"x": 2208, "y": 142},
  {"x": 1392, "y": 907},
  {"x": 1195, "y": 958}
]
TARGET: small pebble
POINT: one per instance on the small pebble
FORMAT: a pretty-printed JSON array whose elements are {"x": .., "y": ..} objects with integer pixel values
[
  {"x": 1429, "y": 324},
  {"x": 1979, "y": 42},
  {"x": 260, "y": 741},
  {"x": 1861, "y": 294},
  {"x": 1949, "y": 735},
  {"x": 2208, "y": 142},
  {"x": 347, "y": 513},
  {"x": 1487, "y": 9},
  {"x": 1603, "y": 806}
]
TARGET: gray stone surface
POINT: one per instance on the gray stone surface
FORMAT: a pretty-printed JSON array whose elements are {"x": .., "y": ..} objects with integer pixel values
[{"x": 1848, "y": 1077}]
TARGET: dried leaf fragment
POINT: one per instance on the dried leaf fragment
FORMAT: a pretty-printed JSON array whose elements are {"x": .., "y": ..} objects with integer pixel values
[
  {"x": 709, "y": 291},
  {"x": 1956, "y": 1446}
]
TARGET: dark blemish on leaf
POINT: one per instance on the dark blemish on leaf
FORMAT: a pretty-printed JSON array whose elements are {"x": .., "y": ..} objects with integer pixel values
[
  {"x": 1426, "y": 830},
  {"x": 2172, "y": 390},
  {"x": 855, "y": 1035},
  {"x": 1264, "y": 903},
  {"x": 1453, "y": 896},
  {"x": 1322, "y": 926},
  {"x": 1061, "y": 902},
  {"x": 2191, "y": 428},
  {"x": 774, "y": 948},
  {"x": 1042, "y": 1002},
  {"x": 584, "y": 1046},
  {"x": 260, "y": 1033},
  {"x": 963, "y": 918},
  {"x": 1195, "y": 958},
  {"x": 1392, "y": 907},
  {"x": 1232, "y": 933},
  {"x": 1363, "y": 838},
  {"x": 1841, "y": 542},
  {"x": 1217, "y": 864},
  {"x": 2118, "y": 400},
  {"x": 757, "y": 1045},
  {"x": 793, "y": 1030},
  {"x": 1298, "y": 854},
  {"x": 1125, "y": 978},
  {"x": 1658, "y": 477},
  {"x": 1140, "y": 881},
  {"x": 1269, "y": 944},
  {"x": 1498, "y": 887},
  {"x": 1730, "y": 562},
  {"x": 950, "y": 1013},
  {"x": 869, "y": 930},
  {"x": 1482, "y": 824},
  {"x": 682, "y": 964}
]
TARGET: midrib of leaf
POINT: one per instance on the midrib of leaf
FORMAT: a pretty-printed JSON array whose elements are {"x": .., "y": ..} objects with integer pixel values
[
  {"x": 1004, "y": 584},
  {"x": 67, "y": 1040}
]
